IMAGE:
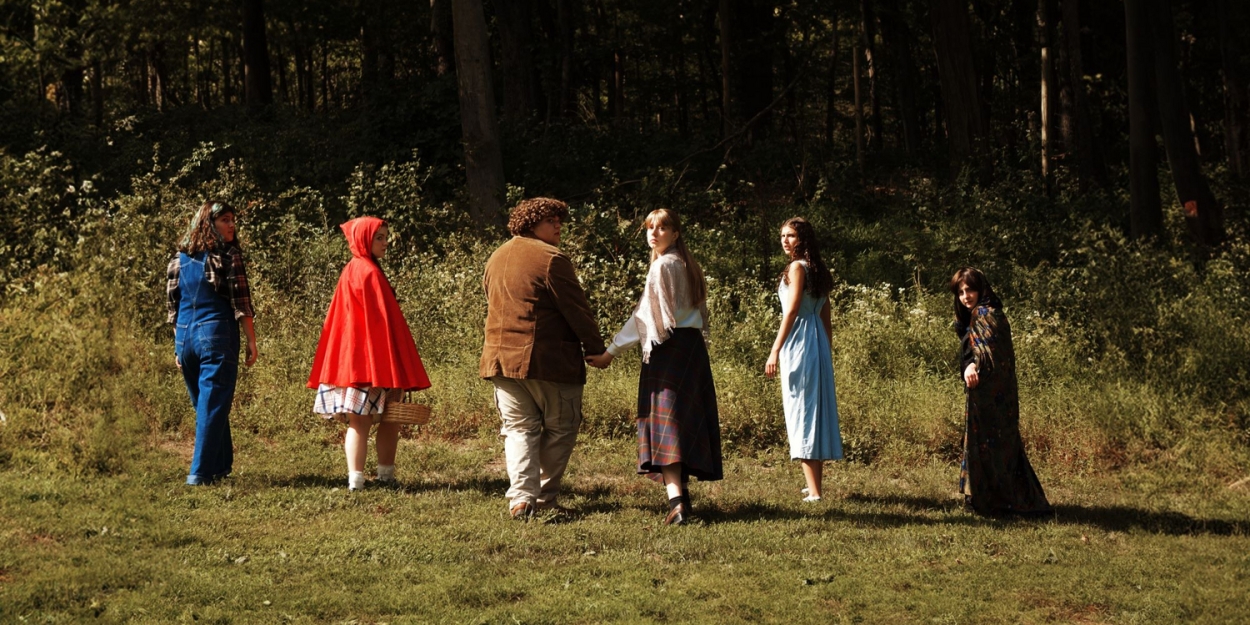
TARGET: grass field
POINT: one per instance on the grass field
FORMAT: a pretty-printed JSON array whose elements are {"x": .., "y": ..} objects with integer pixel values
[{"x": 283, "y": 541}]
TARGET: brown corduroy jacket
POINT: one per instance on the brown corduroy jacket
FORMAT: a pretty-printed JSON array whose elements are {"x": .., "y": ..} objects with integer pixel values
[{"x": 538, "y": 323}]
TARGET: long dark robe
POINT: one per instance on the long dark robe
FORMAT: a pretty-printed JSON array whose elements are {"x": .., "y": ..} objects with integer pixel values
[{"x": 996, "y": 477}]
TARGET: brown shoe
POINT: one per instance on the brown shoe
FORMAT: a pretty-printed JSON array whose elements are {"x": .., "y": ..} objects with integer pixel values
[
  {"x": 523, "y": 511},
  {"x": 678, "y": 515}
]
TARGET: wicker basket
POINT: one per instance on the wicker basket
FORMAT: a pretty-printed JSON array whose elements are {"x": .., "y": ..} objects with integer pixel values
[{"x": 406, "y": 413}]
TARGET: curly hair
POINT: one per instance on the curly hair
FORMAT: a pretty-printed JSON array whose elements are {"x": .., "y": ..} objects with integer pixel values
[
  {"x": 528, "y": 213},
  {"x": 201, "y": 235},
  {"x": 820, "y": 282}
]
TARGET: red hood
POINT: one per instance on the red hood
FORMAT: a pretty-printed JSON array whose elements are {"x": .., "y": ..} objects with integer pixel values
[{"x": 359, "y": 233}]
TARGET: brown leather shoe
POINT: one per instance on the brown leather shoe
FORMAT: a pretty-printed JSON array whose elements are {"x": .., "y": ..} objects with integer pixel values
[
  {"x": 523, "y": 511},
  {"x": 678, "y": 515}
]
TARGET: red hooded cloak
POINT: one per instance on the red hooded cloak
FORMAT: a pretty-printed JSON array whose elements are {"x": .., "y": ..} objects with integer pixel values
[{"x": 365, "y": 340}]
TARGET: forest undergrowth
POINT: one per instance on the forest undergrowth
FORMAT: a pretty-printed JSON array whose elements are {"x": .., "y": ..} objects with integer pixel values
[{"x": 1129, "y": 352}]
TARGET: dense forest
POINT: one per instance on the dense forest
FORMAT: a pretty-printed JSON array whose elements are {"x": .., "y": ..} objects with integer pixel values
[
  {"x": 1092, "y": 157},
  {"x": 1079, "y": 90}
]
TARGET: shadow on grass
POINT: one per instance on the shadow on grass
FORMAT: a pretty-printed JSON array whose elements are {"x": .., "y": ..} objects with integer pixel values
[
  {"x": 1109, "y": 518},
  {"x": 482, "y": 484}
]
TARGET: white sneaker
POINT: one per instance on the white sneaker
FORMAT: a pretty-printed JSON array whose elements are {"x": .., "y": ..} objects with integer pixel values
[
  {"x": 811, "y": 498},
  {"x": 804, "y": 490}
]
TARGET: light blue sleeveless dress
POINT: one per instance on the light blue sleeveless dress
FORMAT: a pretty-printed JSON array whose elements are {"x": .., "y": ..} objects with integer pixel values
[{"x": 807, "y": 390}]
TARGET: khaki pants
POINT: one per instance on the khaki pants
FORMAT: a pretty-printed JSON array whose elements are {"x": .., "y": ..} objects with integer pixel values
[{"x": 540, "y": 423}]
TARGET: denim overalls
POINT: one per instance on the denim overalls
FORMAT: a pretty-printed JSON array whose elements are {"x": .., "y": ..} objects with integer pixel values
[{"x": 206, "y": 341}]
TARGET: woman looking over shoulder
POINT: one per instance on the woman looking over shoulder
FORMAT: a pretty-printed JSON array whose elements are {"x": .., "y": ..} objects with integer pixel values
[
  {"x": 995, "y": 474},
  {"x": 208, "y": 299},
  {"x": 803, "y": 355},
  {"x": 366, "y": 356},
  {"x": 678, "y": 423}
]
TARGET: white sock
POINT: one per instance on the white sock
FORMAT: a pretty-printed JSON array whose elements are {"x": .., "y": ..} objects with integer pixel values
[
  {"x": 386, "y": 472},
  {"x": 355, "y": 480}
]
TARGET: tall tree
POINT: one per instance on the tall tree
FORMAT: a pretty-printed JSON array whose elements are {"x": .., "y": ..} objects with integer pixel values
[
  {"x": 952, "y": 42},
  {"x": 1231, "y": 13},
  {"x": 897, "y": 39},
  {"x": 1046, "y": 36},
  {"x": 856, "y": 51},
  {"x": 257, "y": 85},
  {"x": 832, "y": 93},
  {"x": 755, "y": 27},
  {"x": 516, "y": 58},
  {"x": 483, "y": 159},
  {"x": 1203, "y": 212},
  {"x": 868, "y": 34},
  {"x": 1089, "y": 166},
  {"x": 1145, "y": 211},
  {"x": 440, "y": 33},
  {"x": 725, "y": 17}
]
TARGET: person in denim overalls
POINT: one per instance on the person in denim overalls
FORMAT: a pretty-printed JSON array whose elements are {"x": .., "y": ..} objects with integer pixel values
[{"x": 208, "y": 299}]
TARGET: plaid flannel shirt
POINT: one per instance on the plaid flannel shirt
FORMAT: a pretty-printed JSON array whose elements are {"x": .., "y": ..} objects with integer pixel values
[{"x": 229, "y": 279}]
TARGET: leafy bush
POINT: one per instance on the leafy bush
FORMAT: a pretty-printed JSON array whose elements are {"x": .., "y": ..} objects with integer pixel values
[{"x": 1127, "y": 351}]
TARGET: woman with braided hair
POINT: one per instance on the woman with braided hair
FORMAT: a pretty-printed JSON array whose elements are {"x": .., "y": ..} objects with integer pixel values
[{"x": 803, "y": 355}]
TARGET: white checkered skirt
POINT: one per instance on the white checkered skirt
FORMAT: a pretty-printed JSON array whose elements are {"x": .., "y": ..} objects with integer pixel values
[{"x": 340, "y": 401}]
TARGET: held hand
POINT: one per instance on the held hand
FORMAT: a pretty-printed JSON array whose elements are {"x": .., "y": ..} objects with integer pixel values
[
  {"x": 770, "y": 367},
  {"x": 178, "y": 361},
  {"x": 252, "y": 353},
  {"x": 600, "y": 361},
  {"x": 971, "y": 377}
]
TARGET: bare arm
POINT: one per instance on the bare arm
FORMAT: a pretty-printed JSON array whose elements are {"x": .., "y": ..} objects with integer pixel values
[
  {"x": 249, "y": 331},
  {"x": 790, "y": 308}
]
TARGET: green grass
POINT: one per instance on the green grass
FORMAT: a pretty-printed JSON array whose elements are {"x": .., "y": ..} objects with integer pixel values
[{"x": 282, "y": 540}]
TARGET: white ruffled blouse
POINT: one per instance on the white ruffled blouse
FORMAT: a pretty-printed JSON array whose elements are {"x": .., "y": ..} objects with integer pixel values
[{"x": 665, "y": 305}]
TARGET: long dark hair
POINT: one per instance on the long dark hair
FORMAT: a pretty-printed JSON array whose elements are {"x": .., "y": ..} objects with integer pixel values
[
  {"x": 819, "y": 278},
  {"x": 668, "y": 217},
  {"x": 975, "y": 280},
  {"x": 201, "y": 235}
]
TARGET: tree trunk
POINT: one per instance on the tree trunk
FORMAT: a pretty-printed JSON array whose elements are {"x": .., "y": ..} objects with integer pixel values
[
  {"x": 564, "y": 23},
  {"x": 756, "y": 41},
  {"x": 618, "y": 83},
  {"x": 257, "y": 86},
  {"x": 952, "y": 39},
  {"x": 1236, "y": 96},
  {"x": 681, "y": 99},
  {"x": 97, "y": 93},
  {"x": 325, "y": 77},
  {"x": 227, "y": 81},
  {"x": 482, "y": 156},
  {"x": 372, "y": 25},
  {"x": 868, "y": 31},
  {"x": 725, "y": 14},
  {"x": 833, "y": 86},
  {"x": 1203, "y": 212},
  {"x": 1145, "y": 212},
  {"x": 517, "y": 60},
  {"x": 897, "y": 38},
  {"x": 1045, "y": 36},
  {"x": 440, "y": 32},
  {"x": 859, "y": 106},
  {"x": 1089, "y": 166},
  {"x": 284, "y": 95}
]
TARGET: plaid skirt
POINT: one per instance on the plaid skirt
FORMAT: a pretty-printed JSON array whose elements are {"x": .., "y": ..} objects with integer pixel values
[
  {"x": 338, "y": 402},
  {"x": 677, "y": 417}
]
